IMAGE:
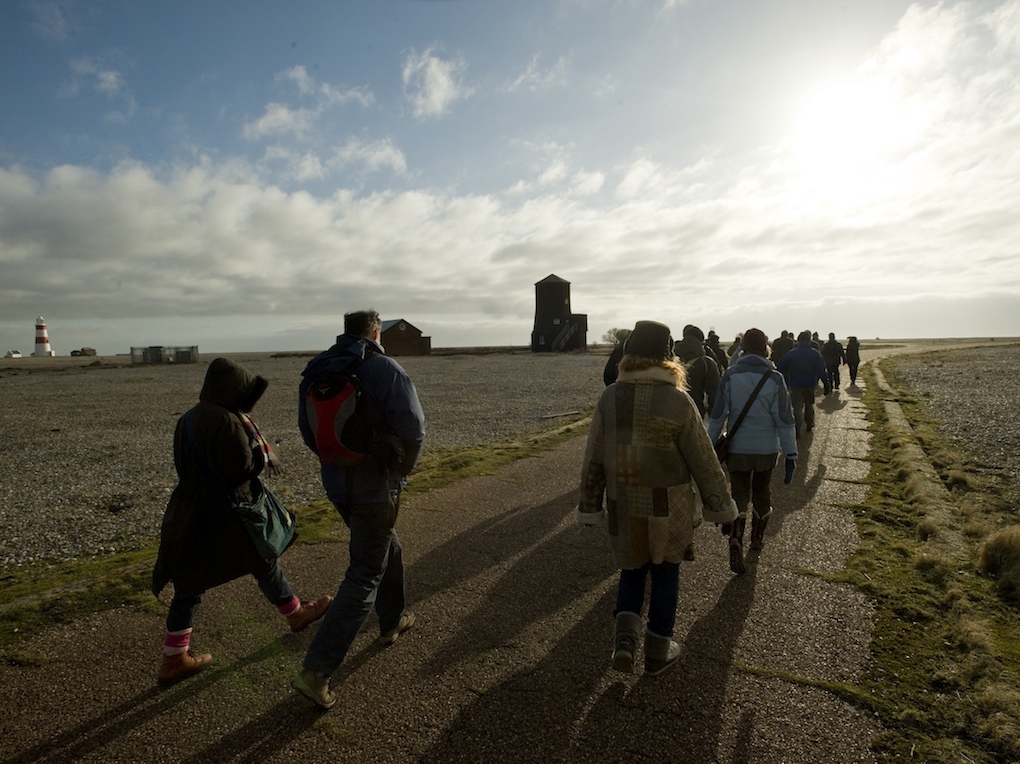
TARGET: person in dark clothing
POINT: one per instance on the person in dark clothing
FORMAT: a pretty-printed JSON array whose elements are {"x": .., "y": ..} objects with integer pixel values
[
  {"x": 202, "y": 541},
  {"x": 853, "y": 358},
  {"x": 612, "y": 369},
  {"x": 367, "y": 497},
  {"x": 834, "y": 355},
  {"x": 702, "y": 369},
  {"x": 804, "y": 368},
  {"x": 782, "y": 346},
  {"x": 714, "y": 349}
]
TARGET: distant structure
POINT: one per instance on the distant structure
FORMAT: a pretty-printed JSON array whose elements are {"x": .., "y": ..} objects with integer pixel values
[
  {"x": 556, "y": 328},
  {"x": 42, "y": 340},
  {"x": 402, "y": 338},
  {"x": 12, "y": 354},
  {"x": 163, "y": 354}
]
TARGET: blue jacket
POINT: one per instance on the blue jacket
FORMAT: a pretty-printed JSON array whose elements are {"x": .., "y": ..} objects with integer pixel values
[
  {"x": 393, "y": 403},
  {"x": 769, "y": 424},
  {"x": 804, "y": 366}
]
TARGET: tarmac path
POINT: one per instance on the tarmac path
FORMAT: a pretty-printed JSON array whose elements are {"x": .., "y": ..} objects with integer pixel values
[{"x": 509, "y": 659}]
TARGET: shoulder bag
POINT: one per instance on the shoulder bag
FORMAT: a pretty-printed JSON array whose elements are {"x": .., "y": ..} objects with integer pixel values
[
  {"x": 722, "y": 445},
  {"x": 268, "y": 522}
]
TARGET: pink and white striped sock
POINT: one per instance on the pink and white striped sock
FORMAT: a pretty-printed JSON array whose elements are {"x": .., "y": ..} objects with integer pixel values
[
  {"x": 177, "y": 642},
  {"x": 289, "y": 608}
]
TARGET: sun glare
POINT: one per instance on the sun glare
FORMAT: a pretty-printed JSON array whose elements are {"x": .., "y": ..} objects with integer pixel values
[{"x": 848, "y": 131}]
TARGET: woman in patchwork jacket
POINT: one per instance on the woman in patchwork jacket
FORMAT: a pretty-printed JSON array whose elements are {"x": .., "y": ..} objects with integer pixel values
[{"x": 646, "y": 448}]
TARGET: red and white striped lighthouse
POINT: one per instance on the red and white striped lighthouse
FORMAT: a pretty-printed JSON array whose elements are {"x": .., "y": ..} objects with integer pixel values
[{"x": 42, "y": 341}]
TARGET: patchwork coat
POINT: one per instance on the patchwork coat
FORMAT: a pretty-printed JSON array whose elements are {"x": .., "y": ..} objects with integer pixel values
[{"x": 646, "y": 447}]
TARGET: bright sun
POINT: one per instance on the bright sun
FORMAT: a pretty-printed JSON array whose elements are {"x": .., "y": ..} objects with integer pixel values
[{"x": 848, "y": 130}]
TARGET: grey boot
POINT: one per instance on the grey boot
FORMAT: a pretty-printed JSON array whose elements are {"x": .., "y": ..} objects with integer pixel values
[
  {"x": 660, "y": 653},
  {"x": 625, "y": 645}
]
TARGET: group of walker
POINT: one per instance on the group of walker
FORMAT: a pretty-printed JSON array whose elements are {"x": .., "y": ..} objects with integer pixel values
[
  {"x": 650, "y": 459},
  {"x": 650, "y": 474}
]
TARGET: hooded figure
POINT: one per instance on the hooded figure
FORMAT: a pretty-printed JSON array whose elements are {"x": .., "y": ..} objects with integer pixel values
[{"x": 202, "y": 540}]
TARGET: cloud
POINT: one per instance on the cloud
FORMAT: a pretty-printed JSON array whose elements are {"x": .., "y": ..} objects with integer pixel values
[
  {"x": 324, "y": 93},
  {"x": 50, "y": 19},
  {"x": 534, "y": 78},
  {"x": 432, "y": 84},
  {"x": 281, "y": 119},
  {"x": 371, "y": 155}
]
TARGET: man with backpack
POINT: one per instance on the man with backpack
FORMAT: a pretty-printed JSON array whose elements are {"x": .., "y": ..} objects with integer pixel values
[{"x": 367, "y": 443}]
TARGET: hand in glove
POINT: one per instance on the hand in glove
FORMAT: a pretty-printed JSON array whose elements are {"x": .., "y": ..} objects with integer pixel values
[{"x": 791, "y": 465}]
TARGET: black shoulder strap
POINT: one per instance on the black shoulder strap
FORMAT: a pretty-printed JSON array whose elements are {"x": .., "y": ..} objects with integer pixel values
[{"x": 750, "y": 400}]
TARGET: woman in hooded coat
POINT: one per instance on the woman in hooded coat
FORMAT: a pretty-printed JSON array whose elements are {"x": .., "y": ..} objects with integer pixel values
[
  {"x": 646, "y": 447},
  {"x": 202, "y": 541}
]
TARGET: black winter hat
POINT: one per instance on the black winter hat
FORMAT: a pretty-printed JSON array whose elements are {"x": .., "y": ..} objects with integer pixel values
[
  {"x": 650, "y": 339},
  {"x": 692, "y": 331}
]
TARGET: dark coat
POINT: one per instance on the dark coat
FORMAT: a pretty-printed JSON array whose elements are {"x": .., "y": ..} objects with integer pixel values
[{"x": 202, "y": 541}]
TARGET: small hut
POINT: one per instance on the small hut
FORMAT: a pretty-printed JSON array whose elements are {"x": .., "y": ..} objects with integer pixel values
[{"x": 400, "y": 337}]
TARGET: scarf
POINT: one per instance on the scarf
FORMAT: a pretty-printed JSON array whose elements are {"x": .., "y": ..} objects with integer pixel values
[{"x": 270, "y": 459}]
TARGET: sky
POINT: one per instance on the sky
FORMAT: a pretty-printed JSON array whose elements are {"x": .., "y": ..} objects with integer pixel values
[{"x": 237, "y": 175}]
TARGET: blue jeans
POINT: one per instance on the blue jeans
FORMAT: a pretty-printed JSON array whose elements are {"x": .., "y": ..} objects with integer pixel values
[
  {"x": 661, "y": 604},
  {"x": 374, "y": 578},
  {"x": 271, "y": 581}
]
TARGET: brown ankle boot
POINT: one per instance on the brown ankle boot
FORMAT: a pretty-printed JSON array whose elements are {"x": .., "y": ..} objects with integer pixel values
[
  {"x": 182, "y": 665},
  {"x": 737, "y": 547},
  {"x": 758, "y": 532},
  {"x": 309, "y": 612}
]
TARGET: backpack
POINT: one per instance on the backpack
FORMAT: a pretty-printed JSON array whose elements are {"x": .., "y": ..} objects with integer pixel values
[{"x": 335, "y": 405}]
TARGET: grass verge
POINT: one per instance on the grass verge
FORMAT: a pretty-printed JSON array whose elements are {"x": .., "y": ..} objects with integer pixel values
[{"x": 945, "y": 659}]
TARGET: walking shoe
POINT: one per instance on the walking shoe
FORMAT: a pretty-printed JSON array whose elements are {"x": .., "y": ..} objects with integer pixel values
[
  {"x": 309, "y": 612},
  {"x": 177, "y": 667},
  {"x": 315, "y": 689},
  {"x": 406, "y": 622}
]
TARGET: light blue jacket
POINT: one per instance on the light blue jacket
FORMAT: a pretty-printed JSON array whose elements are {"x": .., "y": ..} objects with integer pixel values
[{"x": 769, "y": 425}]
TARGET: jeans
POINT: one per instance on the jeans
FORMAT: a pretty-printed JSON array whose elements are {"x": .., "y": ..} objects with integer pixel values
[
  {"x": 374, "y": 578},
  {"x": 272, "y": 582},
  {"x": 661, "y": 604}
]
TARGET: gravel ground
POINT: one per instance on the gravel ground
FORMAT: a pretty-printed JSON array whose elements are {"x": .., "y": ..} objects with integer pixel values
[
  {"x": 87, "y": 461},
  {"x": 973, "y": 394}
]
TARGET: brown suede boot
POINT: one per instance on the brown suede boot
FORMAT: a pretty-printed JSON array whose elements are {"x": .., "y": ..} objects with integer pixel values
[
  {"x": 309, "y": 612},
  {"x": 180, "y": 666},
  {"x": 737, "y": 547},
  {"x": 758, "y": 532}
]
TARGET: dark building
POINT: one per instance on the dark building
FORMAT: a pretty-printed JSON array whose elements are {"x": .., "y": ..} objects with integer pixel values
[
  {"x": 556, "y": 328},
  {"x": 401, "y": 338}
]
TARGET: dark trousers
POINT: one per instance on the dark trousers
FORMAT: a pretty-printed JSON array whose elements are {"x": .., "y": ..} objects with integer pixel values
[
  {"x": 272, "y": 582},
  {"x": 374, "y": 579}
]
